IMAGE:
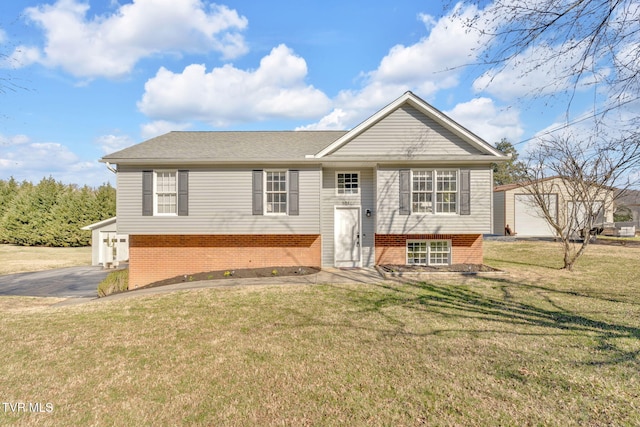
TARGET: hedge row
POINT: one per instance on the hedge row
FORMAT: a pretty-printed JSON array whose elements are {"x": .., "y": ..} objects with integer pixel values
[{"x": 51, "y": 213}]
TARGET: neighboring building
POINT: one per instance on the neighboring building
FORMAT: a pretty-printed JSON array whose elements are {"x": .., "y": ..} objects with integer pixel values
[
  {"x": 514, "y": 206},
  {"x": 406, "y": 186},
  {"x": 108, "y": 247},
  {"x": 628, "y": 201}
]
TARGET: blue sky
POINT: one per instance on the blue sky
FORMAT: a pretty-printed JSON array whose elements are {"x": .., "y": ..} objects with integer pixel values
[{"x": 82, "y": 79}]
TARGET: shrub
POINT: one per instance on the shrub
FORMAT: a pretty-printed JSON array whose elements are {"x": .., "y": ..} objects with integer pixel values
[{"x": 116, "y": 281}]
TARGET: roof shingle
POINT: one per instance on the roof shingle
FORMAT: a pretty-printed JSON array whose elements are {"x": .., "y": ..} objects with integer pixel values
[{"x": 228, "y": 146}]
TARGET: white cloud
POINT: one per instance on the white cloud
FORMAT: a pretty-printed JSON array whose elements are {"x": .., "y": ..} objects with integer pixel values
[
  {"x": 160, "y": 127},
  {"x": 432, "y": 64},
  {"x": 482, "y": 117},
  {"x": 8, "y": 141},
  {"x": 351, "y": 107},
  {"x": 111, "y": 45},
  {"x": 112, "y": 143},
  {"x": 337, "y": 119},
  {"x": 225, "y": 95},
  {"x": 22, "y": 56},
  {"x": 25, "y": 159}
]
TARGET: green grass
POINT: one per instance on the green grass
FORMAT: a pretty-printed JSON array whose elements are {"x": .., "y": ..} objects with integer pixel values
[
  {"x": 116, "y": 281},
  {"x": 536, "y": 346}
]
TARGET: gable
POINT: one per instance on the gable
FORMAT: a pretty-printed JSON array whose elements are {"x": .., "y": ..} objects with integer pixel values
[
  {"x": 411, "y": 129},
  {"x": 406, "y": 132}
]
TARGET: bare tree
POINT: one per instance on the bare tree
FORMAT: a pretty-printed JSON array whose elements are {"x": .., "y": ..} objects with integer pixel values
[
  {"x": 584, "y": 41},
  {"x": 585, "y": 175},
  {"x": 582, "y": 44}
]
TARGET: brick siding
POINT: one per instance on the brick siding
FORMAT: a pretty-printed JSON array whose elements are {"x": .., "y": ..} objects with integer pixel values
[
  {"x": 157, "y": 257},
  {"x": 392, "y": 248}
]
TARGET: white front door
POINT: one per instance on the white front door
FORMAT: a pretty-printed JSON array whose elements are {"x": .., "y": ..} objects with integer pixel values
[{"x": 347, "y": 236}]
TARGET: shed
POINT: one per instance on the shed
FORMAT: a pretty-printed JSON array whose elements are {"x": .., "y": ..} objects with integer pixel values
[
  {"x": 108, "y": 248},
  {"x": 514, "y": 206}
]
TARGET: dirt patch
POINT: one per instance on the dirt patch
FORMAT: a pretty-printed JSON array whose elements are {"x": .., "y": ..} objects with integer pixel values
[
  {"x": 454, "y": 268},
  {"x": 244, "y": 273}
]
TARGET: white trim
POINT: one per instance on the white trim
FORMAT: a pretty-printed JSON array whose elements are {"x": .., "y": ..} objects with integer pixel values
[
  {"x": 155, "y": 192},
  {"x": 406, "y": 250},
  {"x": 424, "y": 108},
  {"x": 433, "y": 185},
  {"x": 265, "y": 172},
  {"x": 434, "y": 191},
  {"x": 428, "y": 251},
  {"x": 357, "y": 193},
  {"x": 448, "y": 242},
  {"x": 358, "y": 262},
  {"x": 99, "y": 224},
  {"x": 457, "y": 192}
]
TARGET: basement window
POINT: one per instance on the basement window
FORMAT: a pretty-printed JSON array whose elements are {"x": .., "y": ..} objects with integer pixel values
[{"x": 429, "y": 252}]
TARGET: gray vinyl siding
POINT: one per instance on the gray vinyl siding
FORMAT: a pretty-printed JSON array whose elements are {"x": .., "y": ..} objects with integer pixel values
[
  {"x": 499, "y": 212},
  {"x": 406, "y": 132},
  {"x": 389, "y": 221},
  {"x": 220, "y": 202},
  {"x": 366, "y": 200}
]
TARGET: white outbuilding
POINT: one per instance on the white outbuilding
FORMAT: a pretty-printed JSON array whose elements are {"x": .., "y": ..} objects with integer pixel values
[
  {"x": 514, "y": 207},
  {"x": 109, "y": 248}
]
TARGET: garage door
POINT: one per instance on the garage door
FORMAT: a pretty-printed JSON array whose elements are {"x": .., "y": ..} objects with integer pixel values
[{"x": 529, "y": 221}]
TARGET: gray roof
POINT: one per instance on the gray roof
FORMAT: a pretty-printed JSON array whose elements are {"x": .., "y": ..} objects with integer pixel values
[
  {"x": 628, "y": 197},
  {"x": 227, "y": 146}
]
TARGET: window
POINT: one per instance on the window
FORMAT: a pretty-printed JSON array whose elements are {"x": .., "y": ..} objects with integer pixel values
[
  {"x": 423, "y": 191},
  {"x": 276, "y": 192},
  {"x": 439, "y": 252},
  {"x": 446, "y": 191},
  {"x": 417, "y": 252},
  {"x": 428, "y": 252},
  {"x": 347, "y": 183},
  {"x": 166, "y": 193}
]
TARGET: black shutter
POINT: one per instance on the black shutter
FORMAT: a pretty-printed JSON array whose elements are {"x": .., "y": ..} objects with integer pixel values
[
  {"x": 257, "y": 193},
  {"x": 147, "y": 193},
  {"x": 465, "y": 192},
  {"x": 405, "y": 192},
  {"x": 294, "y": 193},
  {"x": 183, "y": 193}
]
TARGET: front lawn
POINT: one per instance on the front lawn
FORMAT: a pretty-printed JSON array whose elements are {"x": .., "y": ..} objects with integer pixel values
[
  {"x": 19, "y": 259},
  {"x": 537, "y": 346}
]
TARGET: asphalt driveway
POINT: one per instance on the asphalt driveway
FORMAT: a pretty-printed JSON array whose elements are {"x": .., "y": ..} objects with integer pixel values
[{"x": 72, "y": 282}]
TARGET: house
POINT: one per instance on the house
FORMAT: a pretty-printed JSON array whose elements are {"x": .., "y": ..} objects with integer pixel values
[
  {"x": 407, "y": 185},
  {"x": 515, "y": 207},
  {"x": 108, "y": 247}
]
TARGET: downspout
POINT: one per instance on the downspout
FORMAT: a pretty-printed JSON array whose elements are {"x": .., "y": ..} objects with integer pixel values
[{"x": 111, "y": 168}]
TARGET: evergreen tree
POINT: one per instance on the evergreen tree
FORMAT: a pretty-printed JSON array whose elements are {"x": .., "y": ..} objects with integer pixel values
[
  {"x": 510, "y": 171},
  {"x": 104, "y": 205},
  {"x": 16, "y": 219},
  {"x": 8, "y": 190},
  {"x": 51, "y": 213}
]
